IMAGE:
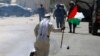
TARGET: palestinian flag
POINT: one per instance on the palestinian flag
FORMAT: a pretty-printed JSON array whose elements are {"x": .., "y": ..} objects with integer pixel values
[{"x": 75, "y": 16}]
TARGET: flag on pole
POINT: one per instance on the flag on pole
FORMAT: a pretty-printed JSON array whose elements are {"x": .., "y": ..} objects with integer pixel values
[{"x": 74, "y": 16}]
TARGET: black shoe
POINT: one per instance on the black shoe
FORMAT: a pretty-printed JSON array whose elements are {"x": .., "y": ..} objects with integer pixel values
[
  {"x": 32, "y": 53},
  {"x": 70, "y": 32},
  {"x": 73, "y": 31},
  {"x": 68, "y": 47},
  {"x": 58, "y": 27}
]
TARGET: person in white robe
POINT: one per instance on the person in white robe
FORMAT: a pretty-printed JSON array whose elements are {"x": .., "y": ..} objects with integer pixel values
[{"x": 42, "y": 32}]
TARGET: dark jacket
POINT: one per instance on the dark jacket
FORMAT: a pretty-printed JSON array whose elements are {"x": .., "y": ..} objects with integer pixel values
[
  {"x": 41, "y": 11},
  {"x": 59, "y": 13}
]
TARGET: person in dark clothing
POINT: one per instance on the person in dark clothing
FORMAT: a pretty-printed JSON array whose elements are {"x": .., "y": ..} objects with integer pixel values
[
  {"x": 41, "y": 12},
  {"x": 59, "y": 13},
  {"x": 63, "y": 15},
  {"x": 72, "y": 27}
]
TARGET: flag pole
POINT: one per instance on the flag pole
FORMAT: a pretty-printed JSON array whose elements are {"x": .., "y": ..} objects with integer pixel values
[{"x": 62, "y": 38}]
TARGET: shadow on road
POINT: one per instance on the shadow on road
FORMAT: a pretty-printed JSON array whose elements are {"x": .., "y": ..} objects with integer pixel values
[
  {"x": 98, "y": 34},
  {"x": 88, "y": 34},
  {"x": 82, "y": 33}
]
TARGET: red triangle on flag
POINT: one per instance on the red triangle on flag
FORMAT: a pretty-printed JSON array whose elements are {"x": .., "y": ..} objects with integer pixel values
[{"x": 73, "y": 12}]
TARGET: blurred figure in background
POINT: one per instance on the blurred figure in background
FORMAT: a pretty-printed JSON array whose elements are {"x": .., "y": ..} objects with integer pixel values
[
  {"x": 41, "y": 11},
  {"x": 64, "y": 14}
]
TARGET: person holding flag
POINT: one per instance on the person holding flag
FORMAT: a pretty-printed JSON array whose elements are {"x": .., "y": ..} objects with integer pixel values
[
  {"x": 74, "y": 17},
  {"x": 42, "y": 32}
]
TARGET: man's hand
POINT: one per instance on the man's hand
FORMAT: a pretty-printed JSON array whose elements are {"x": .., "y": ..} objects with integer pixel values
[
  {"x": 54, "y": 17},
  {"x": 63, "y": 28}
]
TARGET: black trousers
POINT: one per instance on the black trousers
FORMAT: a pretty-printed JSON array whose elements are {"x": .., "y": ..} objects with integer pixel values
[
  {"x": 32, "y": 53},
  {"x": 72, "y": 27},
  {"x": 40, "y": 18},
  {"x": 60, "y": 22}
]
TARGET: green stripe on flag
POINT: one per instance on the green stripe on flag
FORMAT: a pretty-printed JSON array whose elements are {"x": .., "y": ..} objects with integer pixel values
[{"x": 74, "y": 21}]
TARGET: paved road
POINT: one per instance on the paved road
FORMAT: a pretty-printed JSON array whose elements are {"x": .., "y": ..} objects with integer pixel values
[
  {"x": 17, "y": 39},
  {"x": 80, "y": 44},
  {"x": 16, "y": 36}
]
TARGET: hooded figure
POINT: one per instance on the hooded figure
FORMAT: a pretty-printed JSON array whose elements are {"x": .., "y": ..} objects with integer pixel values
[
  {"x": 59, "y": 14},
  {"x": 42, "y": 32}
]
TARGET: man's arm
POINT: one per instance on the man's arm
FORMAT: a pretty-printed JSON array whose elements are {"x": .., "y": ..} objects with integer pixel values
[
  {"x": 36, "y": 30},
  {"x": 53, "y": 29},
  {"x": 54, "y": 14},
  {"x": 56, "y": 29}
]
